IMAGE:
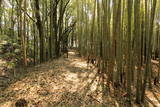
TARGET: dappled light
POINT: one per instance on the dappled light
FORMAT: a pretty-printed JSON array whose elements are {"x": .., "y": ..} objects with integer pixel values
[
  {"x": 79, "y": 53},
  {"x": 51, "y": 84}
]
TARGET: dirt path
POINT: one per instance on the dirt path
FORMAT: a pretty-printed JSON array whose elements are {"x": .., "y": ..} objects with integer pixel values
[{"x": 65, "y": 82}]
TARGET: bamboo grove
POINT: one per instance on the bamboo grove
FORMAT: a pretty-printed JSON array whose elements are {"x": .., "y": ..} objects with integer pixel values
[{"x": 121, "y": 36}]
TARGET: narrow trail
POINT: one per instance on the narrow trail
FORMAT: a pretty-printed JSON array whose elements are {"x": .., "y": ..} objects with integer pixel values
[{"x": 64, "y": 82}]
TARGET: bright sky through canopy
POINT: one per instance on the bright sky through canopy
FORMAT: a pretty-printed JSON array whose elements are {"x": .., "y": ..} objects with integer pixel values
[{"x": 6, "y": 3}]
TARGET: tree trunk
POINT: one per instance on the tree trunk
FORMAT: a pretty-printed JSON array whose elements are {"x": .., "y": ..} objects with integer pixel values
[
  {"x": 24, "y": 37},
  {"x": 40, "y": 29},
  {"x": 149, "y": 45},
  {"x": 0, "y": 16},
  {"x": 129, "y": 6}
]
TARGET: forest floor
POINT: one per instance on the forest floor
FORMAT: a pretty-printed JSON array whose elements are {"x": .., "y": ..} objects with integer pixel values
[{"x": 65, "y": 82}]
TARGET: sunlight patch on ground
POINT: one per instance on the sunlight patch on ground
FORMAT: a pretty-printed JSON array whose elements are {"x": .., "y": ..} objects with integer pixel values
[
  {"x": 71, "y": 77},
  {"x": 79, "y": 64},
  {"x": 93, "y": 87},
  {"x": 151, "y": 96},
  {"x": 71, "y": 53},
  {"x": 7, "y": 104}
]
